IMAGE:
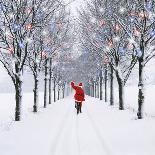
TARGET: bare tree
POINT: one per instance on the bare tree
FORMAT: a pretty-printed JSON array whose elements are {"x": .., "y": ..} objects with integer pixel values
[
  {"x": 140, "y": 31},
  {"x": 17, "y": 24},
  {"x": 108, "y": 39}
]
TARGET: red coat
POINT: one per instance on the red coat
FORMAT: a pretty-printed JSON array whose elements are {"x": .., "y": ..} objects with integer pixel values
[{"x": 79, "y": 93}]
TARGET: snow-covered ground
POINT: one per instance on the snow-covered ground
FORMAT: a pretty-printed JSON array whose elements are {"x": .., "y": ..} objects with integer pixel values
[
  {"x": 7, "y": 108},
  {"x": 57, "y": 130},
  {"x": 131, "y": 99}
]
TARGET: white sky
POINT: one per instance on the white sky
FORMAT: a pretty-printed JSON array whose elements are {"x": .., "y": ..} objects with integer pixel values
[{"x": 76, "y": 4}]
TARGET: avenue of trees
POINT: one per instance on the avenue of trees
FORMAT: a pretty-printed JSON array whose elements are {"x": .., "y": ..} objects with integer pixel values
[
  {"x": 118, "y": 35},
  {"x": 34, "y": 33},
  {"x": 112, "y": 36}
]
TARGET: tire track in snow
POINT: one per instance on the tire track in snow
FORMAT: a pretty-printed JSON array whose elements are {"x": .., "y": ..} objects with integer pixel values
[
  {"x": 63, "y": 136},
  {"x": 78, "y": 135},
  {"x": 59, "y": 132},
  {"x": 98, "y": 134}
]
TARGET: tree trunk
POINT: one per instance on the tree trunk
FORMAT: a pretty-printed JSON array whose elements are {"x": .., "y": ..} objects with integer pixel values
[
  {"x": 18, "y": 97},
  {"x": 105, "y": 82},
  {"x": 35, "y": 106},
  {"x": 58, "y": 93},
  {"x": 95, "y": 91},
  {"x": 121, "y": 91},
  {"x": 54, "y": 89},
  {"x": 101, "y": 79},
  {"x": 111, "y": 86},
  {"x": 18, "y": 92},
  {"x": 98, "y": 90},
  {"x": 141, "y": 90},
  {"x": 93, "y": 95},
  {"x": 45, "y": 85},
  {"x": 68, "y": 88},
  {"x": 50, "y": 81},
  {"x": 63, "y": 91},
  {"x": 90, "y": 90}
]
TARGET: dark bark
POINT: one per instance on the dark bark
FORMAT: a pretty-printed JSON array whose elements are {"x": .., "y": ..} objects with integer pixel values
[
  {"x": 50, "y": 81},
  {"x": 121, "y": 91},
  {"x": 91, "y": 90},
  {"x": 111, "y": 86},
  {"x": 141, "y": 90},
  {"x": 105, "y": 81},
  {"x": 58, "y": 93},
  {"x": 95, "y": 90},
  {"x": 101, "y": 80},
  {"x": 63, "y": 91},
  {"x": 98, "y": 90},
  {"x": 18, "y": 92},
  {"x": 54, "y": 89},
  {"x": 35, "y": 90},
  {"x": 18, "y": 96},
  {"x": 141, "y": 80},
  {"x": 68, "y": 88},
  {"x": 35, "y": 106},
  {"x": 45, "y": 84}
]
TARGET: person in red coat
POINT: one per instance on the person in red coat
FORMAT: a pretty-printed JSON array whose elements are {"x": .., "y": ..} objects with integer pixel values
[{"x": 79, "y": 96}]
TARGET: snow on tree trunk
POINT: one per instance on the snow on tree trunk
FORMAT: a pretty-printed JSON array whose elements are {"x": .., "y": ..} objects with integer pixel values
[
  {"x": 18, "y": 92},
  {"x": 121, "y": 90},
  {"x": 50, "y": 81},
  {"x": 111, "y": 86},
  {"x": 45, "y": 85},
  {"x": 36, "y": 81},
  {"x": 18, "y": 97},
  {"x": 105, "y": 82},
  {"x": 141, "y": 90}
]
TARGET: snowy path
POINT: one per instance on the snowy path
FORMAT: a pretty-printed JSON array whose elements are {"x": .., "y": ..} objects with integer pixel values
[
  {"x": 99, "y": 130},
  {"x": 77, "y": 135}
]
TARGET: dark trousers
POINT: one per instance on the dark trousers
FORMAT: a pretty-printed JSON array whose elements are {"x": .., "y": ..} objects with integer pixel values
[{"x": 78, "y": 106}]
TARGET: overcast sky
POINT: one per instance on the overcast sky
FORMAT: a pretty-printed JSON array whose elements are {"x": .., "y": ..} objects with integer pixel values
[{"x": 76, "y": 4}]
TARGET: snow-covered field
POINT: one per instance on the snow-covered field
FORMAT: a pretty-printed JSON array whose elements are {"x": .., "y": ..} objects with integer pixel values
[
  {"x": 7, "y": 108},
  {"x": 131, "y": 99},
  {"x": 99, "y": 130}
]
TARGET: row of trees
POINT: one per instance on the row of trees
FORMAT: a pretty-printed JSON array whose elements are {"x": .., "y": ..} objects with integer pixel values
[
  {"x": 118, "y": 35},
  {"x": 35, "y": 34}
]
